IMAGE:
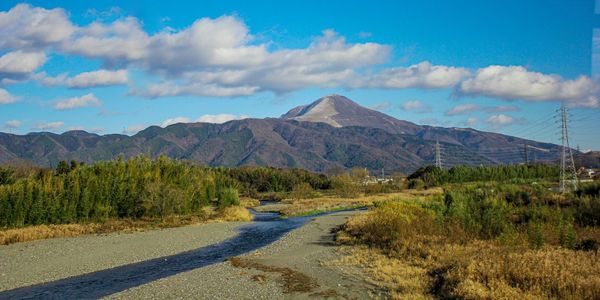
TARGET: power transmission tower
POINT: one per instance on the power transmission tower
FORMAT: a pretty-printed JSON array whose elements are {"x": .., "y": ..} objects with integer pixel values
[
  {"x": 438, "y": 155},
  {"x": 568, "y": 174},
  {"x": 525, "y": 152}
]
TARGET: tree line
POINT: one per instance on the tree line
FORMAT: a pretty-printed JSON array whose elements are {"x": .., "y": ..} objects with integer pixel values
[
  {"x": 136, "y": 188},
  {"x": 434, "y": 176}
]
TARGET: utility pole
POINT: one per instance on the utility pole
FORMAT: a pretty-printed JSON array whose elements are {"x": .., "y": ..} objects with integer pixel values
[
  {"x": 438, "y": 155},
  {"x": 525, "y": 152},
  {"x": 568, "y": 174}
]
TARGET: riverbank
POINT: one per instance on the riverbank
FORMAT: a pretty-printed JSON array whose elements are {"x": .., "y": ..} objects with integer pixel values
[
  {"x": 29, "y": 263},
  {"x": 293, "y": 267}
]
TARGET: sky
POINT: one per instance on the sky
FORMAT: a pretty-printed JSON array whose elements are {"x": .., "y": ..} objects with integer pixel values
[{"x": 120, "y": 66}]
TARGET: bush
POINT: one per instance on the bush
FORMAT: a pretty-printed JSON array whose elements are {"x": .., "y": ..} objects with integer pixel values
[
  {"x": 345, "y": 186},
  {"x": 6, "y": 176},
  {"x": 228, "y": 197},
  {"x": 534, "y": 235},
  {"x": 303, "y": 191},
  {"x": 416, "y": 184}
]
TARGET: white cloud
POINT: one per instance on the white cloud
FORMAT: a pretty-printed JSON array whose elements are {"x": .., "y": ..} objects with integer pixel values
[
  {"x": 220, "y": 118},
  {"x": 422, "y": 75},
  {"x": 471, "y": 121},
  {"x": 175, "y": 120},
  {"x": 19, "y": 63},
  {"x": 98, "y": 78},
  {"x": 27, "y": 27},
  {"x": 462, "y": 109},
  {"x": 12, "y": 124},
  {"x": 76, "y": 102},
  {"x": 120, "y": 42},
  {"x": 133, "y": 129},
  {"x": 49, "y": 126},
  {"x": 501, "y": 108},
  {"x": 6, "y": 97},
  {"x": 516, "y": 82},
  {"x": 75, "y": 128},
  {"x": 170, "y": 88},
  {"x": 501, "y": 120},
  {"x": 415, "y": 106}
]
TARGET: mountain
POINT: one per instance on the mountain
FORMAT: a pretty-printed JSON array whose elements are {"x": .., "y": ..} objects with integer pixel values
[{"x": 332, "y": 132}]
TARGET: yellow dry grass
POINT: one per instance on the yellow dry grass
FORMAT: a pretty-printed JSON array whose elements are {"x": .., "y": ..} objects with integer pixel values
[
  {"x": 411, "y": 261},
  {"x": 40, "y": 232},
  {"x": 234, "y": 213},
  {"x": 324, "y": 203}
]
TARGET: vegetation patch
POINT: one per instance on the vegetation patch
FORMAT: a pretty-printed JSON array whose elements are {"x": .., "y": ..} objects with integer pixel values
[{"x": 480, "y": 240}]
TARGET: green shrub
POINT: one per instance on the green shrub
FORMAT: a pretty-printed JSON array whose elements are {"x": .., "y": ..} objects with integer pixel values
[
  {"x": 228, "y": 197},
  {"x": 416, "y": 184},
  {"x": 567, "y": 236},
  {"x": 534, "y": 235}
]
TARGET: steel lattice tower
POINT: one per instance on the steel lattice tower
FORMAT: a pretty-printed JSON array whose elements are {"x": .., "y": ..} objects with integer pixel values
[
  {"x": 568, "y": 174},
  {"x": 438, "y": 155}
]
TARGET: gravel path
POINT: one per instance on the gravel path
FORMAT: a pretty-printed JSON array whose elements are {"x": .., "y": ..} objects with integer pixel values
[
  {"x": 35, "y": 262},
  {"x": 301, "y": 250}
]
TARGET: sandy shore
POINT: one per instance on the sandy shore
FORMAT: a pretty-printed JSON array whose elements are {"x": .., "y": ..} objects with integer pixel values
[{"x": 35, "y": 262}]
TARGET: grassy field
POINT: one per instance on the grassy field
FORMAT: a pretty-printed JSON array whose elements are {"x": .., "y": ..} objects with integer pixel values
[
  {"x": 326, "y": 203},
  {"x": 479, "y": 241}
]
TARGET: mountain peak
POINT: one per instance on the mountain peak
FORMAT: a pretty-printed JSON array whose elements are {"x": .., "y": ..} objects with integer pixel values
[{"x": 340, "y": 111}]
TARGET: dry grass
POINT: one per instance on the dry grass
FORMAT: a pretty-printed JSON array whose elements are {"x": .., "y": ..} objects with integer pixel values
[
  {"x": 326, "y": 203},
  {"x": 40, "y": 232},
  {"x": 249, "y": 202},
  {"x": 400, "y": 252},
  {"x": 234, "y": 213}
]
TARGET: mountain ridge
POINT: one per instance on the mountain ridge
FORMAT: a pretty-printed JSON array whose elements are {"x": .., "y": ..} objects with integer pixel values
[{"x": 332, "y": 132}]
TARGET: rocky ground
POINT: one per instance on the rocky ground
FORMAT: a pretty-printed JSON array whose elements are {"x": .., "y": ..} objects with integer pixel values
[{"x": 290, "y": 268}]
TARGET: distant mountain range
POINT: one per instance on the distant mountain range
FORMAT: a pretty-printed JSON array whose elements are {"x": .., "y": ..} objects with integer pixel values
[{"x": 332, "y": 132}]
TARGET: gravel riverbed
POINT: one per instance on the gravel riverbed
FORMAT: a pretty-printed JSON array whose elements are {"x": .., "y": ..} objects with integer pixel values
[{"x": 36, "y": 262}]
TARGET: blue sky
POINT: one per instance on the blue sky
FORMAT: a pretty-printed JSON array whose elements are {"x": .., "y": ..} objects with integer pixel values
[{"x": 119, "y": 66}]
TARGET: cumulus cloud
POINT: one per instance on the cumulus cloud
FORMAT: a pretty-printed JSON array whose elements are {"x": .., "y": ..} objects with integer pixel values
[
  {"x": 28, "y": 27},
  {"x": 12, "y": 124},
  {"x": 49, "y": 126},
  {"x": 221, "y": 57},
  {"x": 501, "y": 120},
  {"x": 471, "y": 121},
  {"x": 462, "y": 109},
  {"x": 422, "y": 75},
  {"x": 6, "y": 97},
  {"x": 468, "y": 108},
  {"x": 220, "y": 118},
  {"x": 98, "y": 78},
  {"x": 17, "y": 64},
  {"x": 175, "y": 120},
  {"x": 76, "y": 102},
  {"x": 501, "y": 108},
  {"x": 415, "y": 106},
  {"x": 516, "y": 82}
]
